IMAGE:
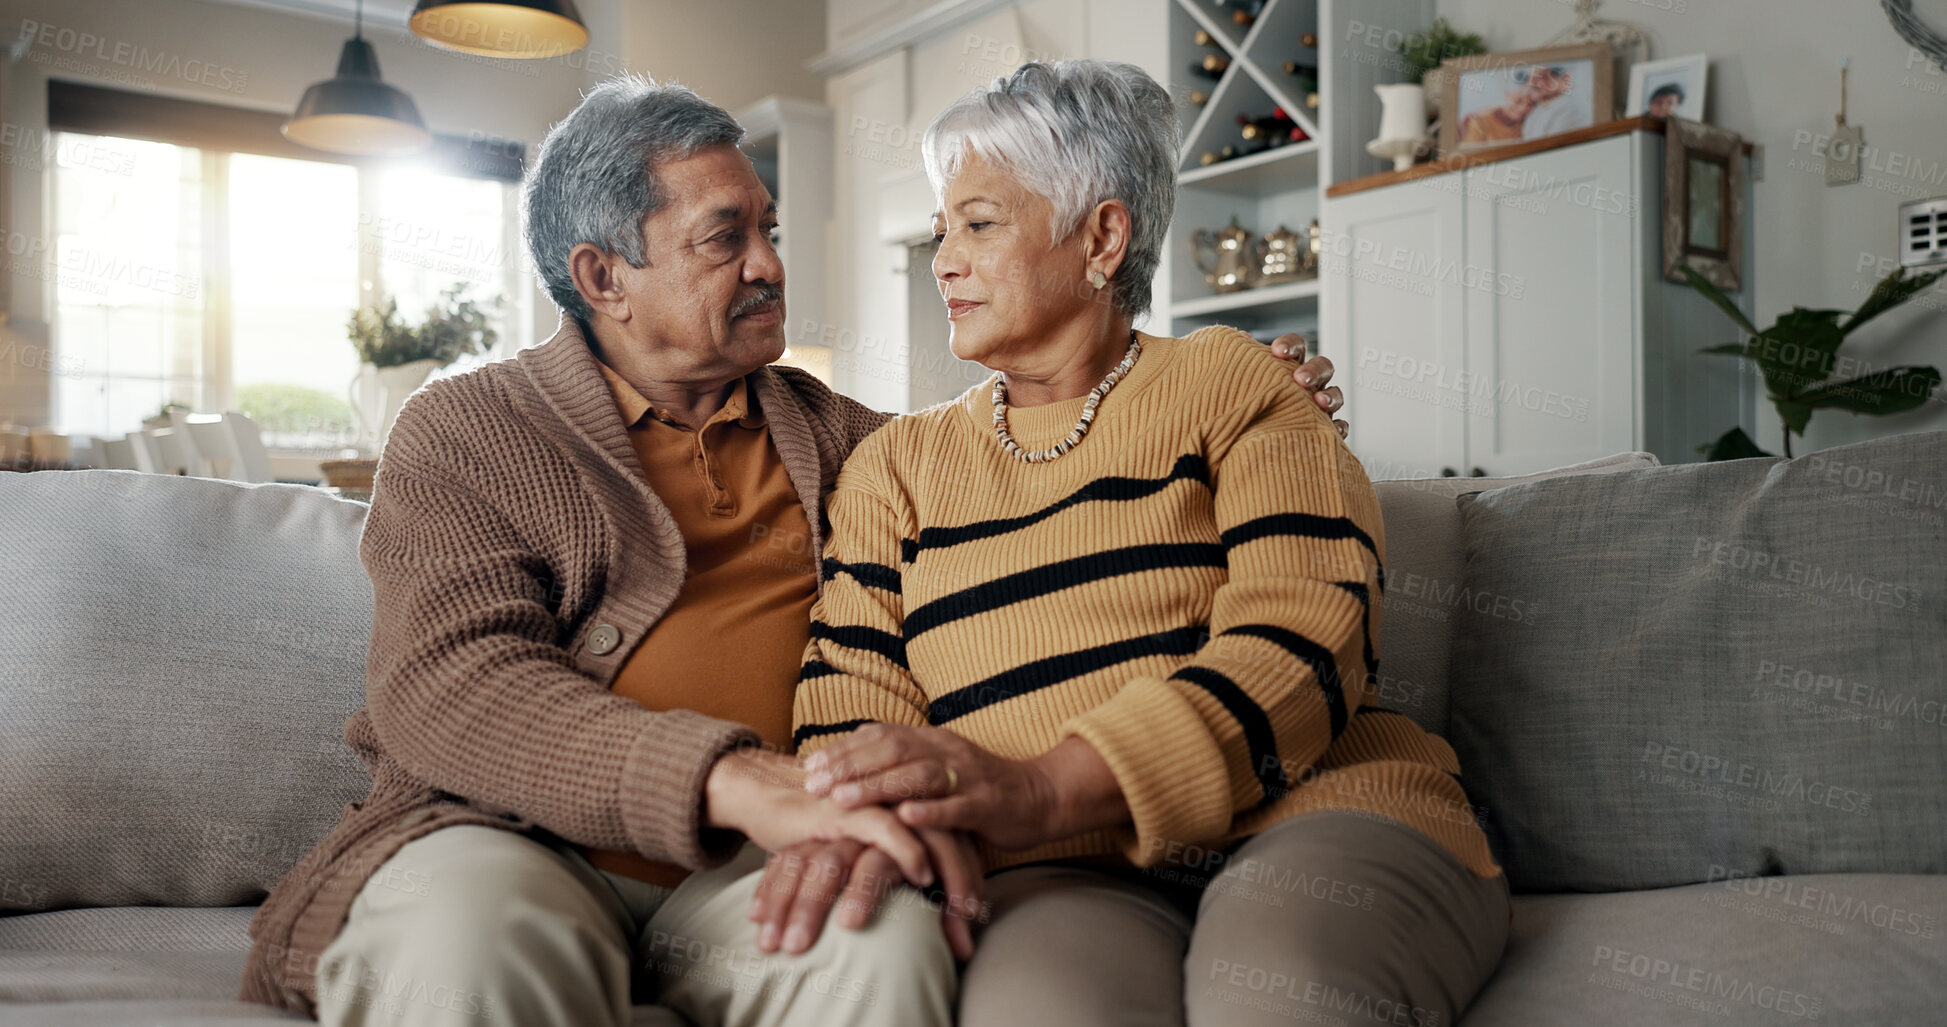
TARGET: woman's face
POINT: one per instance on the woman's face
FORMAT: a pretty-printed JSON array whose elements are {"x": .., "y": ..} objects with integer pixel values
[{"x": 1006, "y": 288}]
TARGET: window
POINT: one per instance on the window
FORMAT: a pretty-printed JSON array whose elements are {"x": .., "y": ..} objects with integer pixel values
[{"x": 224, "y": 281}]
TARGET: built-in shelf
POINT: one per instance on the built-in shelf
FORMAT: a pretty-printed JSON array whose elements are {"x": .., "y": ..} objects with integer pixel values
[
  {"x": 1282, "y": 168},
  {"x": 1247, "y": 299}
]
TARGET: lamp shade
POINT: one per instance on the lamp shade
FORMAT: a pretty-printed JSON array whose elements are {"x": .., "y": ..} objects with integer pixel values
[
  {"x": 354, "y": 112},
  {"x": 501, "y": 28}
]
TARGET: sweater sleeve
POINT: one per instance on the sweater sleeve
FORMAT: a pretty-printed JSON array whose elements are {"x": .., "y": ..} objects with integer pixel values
[
  {"x": 855, "y": 669},
  {"x": 470, "y": 690},
  {"x": 1290, "y": 644}
]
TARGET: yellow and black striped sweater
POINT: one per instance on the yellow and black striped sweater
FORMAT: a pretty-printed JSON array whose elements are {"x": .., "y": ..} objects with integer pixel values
[{"x": 1195, "y": 589}]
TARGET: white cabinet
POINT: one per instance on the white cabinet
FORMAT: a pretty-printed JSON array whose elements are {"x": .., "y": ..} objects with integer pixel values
[{"x": 1512, "y": 316}]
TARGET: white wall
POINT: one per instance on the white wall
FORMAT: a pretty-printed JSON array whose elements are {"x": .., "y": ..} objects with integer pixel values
[
  {"x": 733, "y": 52},
  {"x": 1774, "y": 78}
]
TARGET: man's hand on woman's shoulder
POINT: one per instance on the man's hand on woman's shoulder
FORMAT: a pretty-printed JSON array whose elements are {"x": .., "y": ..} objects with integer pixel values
[{"x": 1313, "y": 375}]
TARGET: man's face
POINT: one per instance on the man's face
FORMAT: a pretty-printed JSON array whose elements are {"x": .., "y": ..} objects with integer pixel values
[
  {"x": 712, "y": 292},
  {"x": 1665, "y": 105}
]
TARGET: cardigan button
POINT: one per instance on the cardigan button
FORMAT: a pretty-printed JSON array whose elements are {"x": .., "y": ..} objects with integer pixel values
[{"x": 603, "y": 639}]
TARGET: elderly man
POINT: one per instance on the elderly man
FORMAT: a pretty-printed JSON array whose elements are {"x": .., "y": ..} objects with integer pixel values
[{"x": 593, "y": 567}]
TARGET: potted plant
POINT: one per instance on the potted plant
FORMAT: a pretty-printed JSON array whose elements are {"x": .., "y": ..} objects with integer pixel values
[
  {"x": 397, "y": 357},
  {"x": 1798, "y": 353}
]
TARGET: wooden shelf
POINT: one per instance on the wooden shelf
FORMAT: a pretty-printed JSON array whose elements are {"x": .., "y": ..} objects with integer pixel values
[
  {"x": 1476, "y": 158},
  {"x": 1267, "y": 296}
]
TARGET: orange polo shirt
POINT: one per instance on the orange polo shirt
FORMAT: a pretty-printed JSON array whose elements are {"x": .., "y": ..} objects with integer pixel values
[{"x": 731, "y": 644}]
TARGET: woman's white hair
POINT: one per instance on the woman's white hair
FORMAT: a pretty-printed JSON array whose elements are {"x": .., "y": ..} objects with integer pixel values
[{"x": 1077, "y": 132}]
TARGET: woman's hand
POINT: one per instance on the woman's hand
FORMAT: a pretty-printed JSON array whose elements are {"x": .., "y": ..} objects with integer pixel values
[
  {"x": 938, "y": 779},
  {"x": 1313, "y": 375},
  {"x": 762, "y": 795},
  {"x": 803, "y": 884}
]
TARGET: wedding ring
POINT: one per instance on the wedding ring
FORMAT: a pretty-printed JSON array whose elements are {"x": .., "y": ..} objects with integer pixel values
[{"x": 952, "y": 781}]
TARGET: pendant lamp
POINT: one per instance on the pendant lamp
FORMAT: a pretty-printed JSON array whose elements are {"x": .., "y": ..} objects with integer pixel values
[
  {"x": 501, "y": 28},
  {"x": 354, "y": 112}
]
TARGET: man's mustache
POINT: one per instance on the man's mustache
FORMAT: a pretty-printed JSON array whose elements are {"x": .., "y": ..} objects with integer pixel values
[{"x": 766, "y": 294}]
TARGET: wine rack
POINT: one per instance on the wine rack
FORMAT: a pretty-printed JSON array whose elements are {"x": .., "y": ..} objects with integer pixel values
[{"x": 1310, "y": 61}]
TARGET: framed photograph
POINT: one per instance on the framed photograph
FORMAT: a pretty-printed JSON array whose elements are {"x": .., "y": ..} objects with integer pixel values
[
  {"x": 1703, "y": 202},
  {"x": 1496, "y": 99},
  {"x": 1667, "y": 87}
]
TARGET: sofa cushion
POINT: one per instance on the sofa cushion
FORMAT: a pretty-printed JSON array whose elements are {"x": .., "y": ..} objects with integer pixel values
[
  {"x": 177, "y": 660},
  {"x": 1834, "y": 948},
  {"x": 147, "y": 1013},
  {"x": 131, "y": 952},
  {"x": 1423, "y": 568},
  {"x": 1725, "y": 668}
]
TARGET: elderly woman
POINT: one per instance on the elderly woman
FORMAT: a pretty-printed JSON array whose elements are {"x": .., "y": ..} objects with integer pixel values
[{"x": 1113, "y": 614}]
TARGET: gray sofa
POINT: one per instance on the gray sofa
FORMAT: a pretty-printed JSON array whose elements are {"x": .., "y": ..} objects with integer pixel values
[{"x": 1700, "y": 709}]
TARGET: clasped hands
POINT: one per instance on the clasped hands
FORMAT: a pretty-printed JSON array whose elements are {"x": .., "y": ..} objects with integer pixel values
[{"x": 890, "y": 804}]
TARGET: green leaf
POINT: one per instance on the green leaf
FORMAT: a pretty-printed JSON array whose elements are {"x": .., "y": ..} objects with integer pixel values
[
  {"x": 1891, "y": 391},
  {"x": 1798, "y": 350},
  {"x": 1732, "y": 445},
  {"x": 1730, "y": 349},
  {"x": 1891, "y": 291},
  {"x": 1795, "y": 414},
  {"x": 1713, "y": 294}
]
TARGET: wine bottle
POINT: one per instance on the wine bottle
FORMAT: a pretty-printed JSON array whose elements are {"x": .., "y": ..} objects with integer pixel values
[
  {"x": 1309, "y": 40},
  {"x": 1243, "y": 18},
  {"x": 1198, "y": 98},
  {"x": 1301, "y": 70},
  {"x": 1205, "y": 39},
  {"x": 1211, "y": 66}
]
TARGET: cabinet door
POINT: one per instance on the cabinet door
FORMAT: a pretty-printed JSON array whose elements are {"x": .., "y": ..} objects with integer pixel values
[
  {"x": 1551, "y": 308},
  {"x": 1393, "y": 326}
]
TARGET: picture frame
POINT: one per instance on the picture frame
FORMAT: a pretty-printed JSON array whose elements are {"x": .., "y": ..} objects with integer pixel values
[
  {"x": 1653, "y": 85},
  {"x": 1703, "y": 202},
  {"x": 1497, "y": 99}
]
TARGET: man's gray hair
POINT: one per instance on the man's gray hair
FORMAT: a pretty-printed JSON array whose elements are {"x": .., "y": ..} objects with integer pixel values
[
  {"x": 594, "y": 179},
  {"x": 1077, "y": 132}
]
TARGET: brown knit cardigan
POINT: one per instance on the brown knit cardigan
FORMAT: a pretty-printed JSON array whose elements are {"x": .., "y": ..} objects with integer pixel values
[{"x": 509, "y": 519}]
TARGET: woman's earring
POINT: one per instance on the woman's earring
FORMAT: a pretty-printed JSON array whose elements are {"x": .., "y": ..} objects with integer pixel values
[{"x": 1097, "y": 279}]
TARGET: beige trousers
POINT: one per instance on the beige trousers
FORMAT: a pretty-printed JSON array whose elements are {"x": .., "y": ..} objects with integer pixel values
[
  {"x": 474, "y": 925},
  {"x": 1326, "y": 918}
]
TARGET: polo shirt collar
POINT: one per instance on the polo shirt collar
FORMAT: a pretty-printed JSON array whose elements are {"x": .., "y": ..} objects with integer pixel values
[{"x": 634, "y": 405}]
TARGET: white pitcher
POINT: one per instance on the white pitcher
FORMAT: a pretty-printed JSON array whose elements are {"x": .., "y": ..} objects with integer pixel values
[
  {"x": 377, "y": 393},
  {"x": 1402, "y": 124}
]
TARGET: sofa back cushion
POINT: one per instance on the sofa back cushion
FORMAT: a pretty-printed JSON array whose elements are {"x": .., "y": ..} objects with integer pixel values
[
  {"x": 1423, "y": 587},
  {"x": 177, "y": 660},
  {"x": 1735, "y": 669}
]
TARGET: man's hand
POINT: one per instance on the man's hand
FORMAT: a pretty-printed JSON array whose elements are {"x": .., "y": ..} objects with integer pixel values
[
  {"x": 762, "y": 795},
  {"x": 1313, "y": 375},
  {"x": 804, "y": 883}
]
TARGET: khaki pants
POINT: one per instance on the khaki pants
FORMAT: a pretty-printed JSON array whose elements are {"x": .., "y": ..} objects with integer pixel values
[
  {"x": 1326, "y": 918},
  {"x": 474, "y": 926}
]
